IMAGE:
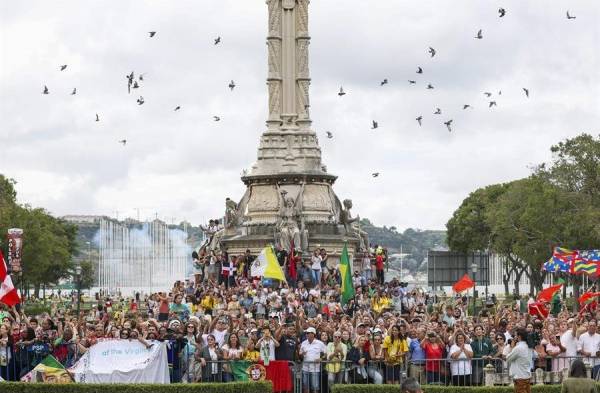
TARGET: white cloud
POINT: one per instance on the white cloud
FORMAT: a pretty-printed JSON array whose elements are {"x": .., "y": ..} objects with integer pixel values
[{"x": 183, "y": 164}]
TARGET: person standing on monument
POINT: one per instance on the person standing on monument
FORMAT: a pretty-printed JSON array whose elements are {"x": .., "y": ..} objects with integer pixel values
[{"x": 316, "y": 260}]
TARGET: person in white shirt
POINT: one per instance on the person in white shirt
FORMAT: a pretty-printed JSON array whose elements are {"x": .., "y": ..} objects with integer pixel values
[
  {"x": 316, "y": 267},
  {"x": 568, "y": 341},
  {"x": 311, "y": 351},
  {"x": 589, "y": 346},
  {"x": 366, "y": 268},
  {"x": 519, "y": 363},
  {"x": 461, "y": 354}
]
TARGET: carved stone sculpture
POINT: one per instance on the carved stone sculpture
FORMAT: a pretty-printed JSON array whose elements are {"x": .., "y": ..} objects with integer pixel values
[
  {"x": 274, "y": 17},
  {"x": 231, "y": 213},
  {"x": 351, "y": 226},
  {"x": 302, "y": 16},
  {"x": 290, "y": 215},
  {"x": 274, "y": 56},
  {"x": 274, "y": 99},
  {"x": 302, "y": 97}
]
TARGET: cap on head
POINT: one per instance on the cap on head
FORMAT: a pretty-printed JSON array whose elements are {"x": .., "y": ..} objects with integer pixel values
[{"x": 311, "y": 330}]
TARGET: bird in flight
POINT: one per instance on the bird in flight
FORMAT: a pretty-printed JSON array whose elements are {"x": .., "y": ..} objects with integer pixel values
[
  {"x": 447, "y": 123},
  {"x": 177, "y": 108},
  {"x": 430, "y": 86},
  {"x": 465, "y": 106},
  {"x": 140, "y": 100},
  {"x": 502, "y": 12},
  {"x": 499, "y": 92},
  {"x": 479, "y": 35},
  {"x": 217, "y": 118},
  {"x": 218, "y": 40},
  {"x": 123, "y": 141},
  {"x": 341, "y": 93},
  {"x": 74, "y": 91},
  {"x": 329, "y": 134},
  {"x": 375, "y": 125},
  {"x": 45, "y": 90},
  {"x": 135, "y": 85},
  {"x": 419, "y": 70},
  {"x": 129, "y": 81},
  {"x": 569, "y": 16},
  {"x": 232, "y": 85},
  {"x": 526, "y": 92},
  {"x": 438, "y": 111},
  {"x": 97, "y": 117},
  {"x": 141, "y": 77},
  {"x": 419, "y": 119},
  {"x": 384, "y": 82},
  {"x": 412, "y": 82},
  {"x": 375, "y": 174},
  {"x": 152, "y": 33},
  {"x": 63, "y": 67},
  {"x": 487, "y": 93},
  {"x": 492, "y": 103},
  {"x": 431, "y": 51}
]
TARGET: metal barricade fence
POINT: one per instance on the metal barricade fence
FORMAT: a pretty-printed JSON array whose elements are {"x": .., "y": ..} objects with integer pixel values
[{"x": 319, "y": 376}]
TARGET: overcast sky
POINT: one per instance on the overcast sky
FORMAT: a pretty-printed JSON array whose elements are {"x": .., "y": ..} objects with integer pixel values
[{"x": 182, "y": 164}]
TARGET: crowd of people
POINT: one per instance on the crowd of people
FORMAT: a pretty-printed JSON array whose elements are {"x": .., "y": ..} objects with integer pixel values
[{"x": 385, "y": 334}]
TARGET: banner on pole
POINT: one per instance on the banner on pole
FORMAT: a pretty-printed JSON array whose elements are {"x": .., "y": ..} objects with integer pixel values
[{"x": 15, "y": 249}]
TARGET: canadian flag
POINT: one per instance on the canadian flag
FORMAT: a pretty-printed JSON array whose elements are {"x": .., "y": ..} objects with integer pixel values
[{"x": 8, "y": 292}]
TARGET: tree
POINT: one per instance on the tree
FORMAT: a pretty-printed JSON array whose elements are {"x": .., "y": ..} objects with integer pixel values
[{"x": 87, "y": 274}]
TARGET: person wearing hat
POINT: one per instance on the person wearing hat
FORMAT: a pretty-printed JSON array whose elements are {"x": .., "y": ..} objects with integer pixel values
[{"x": 311, "y": 352}]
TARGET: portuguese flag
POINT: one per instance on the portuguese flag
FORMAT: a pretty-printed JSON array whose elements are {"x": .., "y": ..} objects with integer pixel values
[{"x": 346, "y": 274}]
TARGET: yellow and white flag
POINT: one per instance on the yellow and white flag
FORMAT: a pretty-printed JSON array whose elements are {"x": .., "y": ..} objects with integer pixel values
[{"x": 266, "y": 265}]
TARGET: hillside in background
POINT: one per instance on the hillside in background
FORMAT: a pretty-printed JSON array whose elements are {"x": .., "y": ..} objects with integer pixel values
[{"x": 415, "y": 242}]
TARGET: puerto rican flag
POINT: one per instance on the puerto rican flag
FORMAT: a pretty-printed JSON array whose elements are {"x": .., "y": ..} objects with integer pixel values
[{"x": 8, "y": 292}]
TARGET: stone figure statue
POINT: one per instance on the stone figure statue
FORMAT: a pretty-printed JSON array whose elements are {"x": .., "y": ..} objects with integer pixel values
[
  {"x": 231, "y": 213},
  {"x": 291, "y": 224},
  {"x": 352, "y": 225}
]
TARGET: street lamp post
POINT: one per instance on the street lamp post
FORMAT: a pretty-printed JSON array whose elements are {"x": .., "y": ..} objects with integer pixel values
[
  {"x": 78, "y": 275},
  {"x": 474, "y": 271}
]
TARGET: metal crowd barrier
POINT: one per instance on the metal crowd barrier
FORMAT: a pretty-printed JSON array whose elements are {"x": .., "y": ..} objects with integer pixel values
[{"x": 320, "y": 376}]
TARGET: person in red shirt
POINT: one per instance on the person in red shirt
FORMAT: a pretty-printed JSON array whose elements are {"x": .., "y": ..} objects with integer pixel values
[
  {"x": 379, "y": 259},
  {"x": 434, "y": 353}
]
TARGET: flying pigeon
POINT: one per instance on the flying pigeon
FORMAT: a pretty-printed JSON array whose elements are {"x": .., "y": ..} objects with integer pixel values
[
  {"x": 479, "y": 35},
  {"x": 97, "y": 117},
  {"x": 438, "y": 111},
  {"x": 45, "y": 90},
  {"x": 218, "y": 40},
  {"x": 499, "y": 92},
  {"x": 447, "y": 123},
  {"x": 419, "y": 70},
  {"x": 63, "y": 67},
  {"x": 232, "y": 85},
  {"x": 384, "y": 82},
  {"x": 135, "y": 85},
  {"x": 526, "y": 92},
  {"x": 430, "y": 86},
  {"x": 217, "y": 118},
  {"x": 375, "y": 174},
  {"x": 140, "y": 100},
  {"x": 465, "y": 106},
  {"x": 412, "y": 82},
  {"x": 152, "y": 33},
  {"x": 74, "y": 91},
  {"x": 502, "y": 12},
  {"x": 569, "y": 16},
  {"x": 432, "y": 51},
  {"x": 493, "y": 103},
  {"x": 419, "y": 119},
  {"x": 177, "y": 108},
  {"x": 488, "y": 94},
  {"x": 341, "y": 92},
  {"x": 123, "y": 141},
  {"x": 375, "y": 125},
  {"x": 141, "y": 77},
  {"x": 329, "y": 134},
  {"x": 129, "y": 81}
]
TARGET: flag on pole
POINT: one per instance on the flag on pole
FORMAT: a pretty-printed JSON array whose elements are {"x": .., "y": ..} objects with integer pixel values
[
  {"x": 266, "y": 265},
  {"x": 463, "y": 284},
  {"x": 538, "y": 309},
  {"x": 345, "y": 273},
  {"x": 546, "y": 294},
  {"x": 8, "y": 292}
]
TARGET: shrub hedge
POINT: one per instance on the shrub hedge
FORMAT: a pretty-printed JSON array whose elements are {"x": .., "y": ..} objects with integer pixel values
[
  {"x": 232, "y": 387},
  {"x": 442, "y": 389}
]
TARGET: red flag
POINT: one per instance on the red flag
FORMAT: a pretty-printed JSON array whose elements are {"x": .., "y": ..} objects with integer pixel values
[
  {"x": 463, "y": 284},
  {"x": 278, "y": 372},
  {"x": 538, "y": 309},
  {"x": 588, "y": 297},
  {"x": 546, "y": 294},
  {"x": 8, "y": 292}
]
